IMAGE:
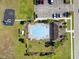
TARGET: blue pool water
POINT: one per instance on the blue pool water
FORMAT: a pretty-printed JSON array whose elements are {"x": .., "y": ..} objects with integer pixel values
[{"x": 39, "y": 31}]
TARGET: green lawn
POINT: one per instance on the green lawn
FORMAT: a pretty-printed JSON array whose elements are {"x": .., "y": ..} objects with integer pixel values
[
  {"x": 73, "y": 20},
  {"x": 68, "y": 24},
  {"x": 26, "y": 9},
  {"x": 73, "y": 44},
  {"x": 72, "y": 1},
  {"x": 38, "y": 46},
  {"x": 67, "y": 1},
  {"x": 20, "y": 50},
  {"x": 62, "y": 52},
  {"x": 34, "y": 2}
]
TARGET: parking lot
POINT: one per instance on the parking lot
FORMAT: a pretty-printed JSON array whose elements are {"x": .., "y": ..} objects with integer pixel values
[{"x": 46, "y": 10}]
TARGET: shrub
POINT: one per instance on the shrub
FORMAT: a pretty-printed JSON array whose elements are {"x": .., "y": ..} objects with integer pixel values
[
  {"x": 58, "y": 43},
  {"x": 22, "y": 22},
  {"x": 21, "y": 40}
]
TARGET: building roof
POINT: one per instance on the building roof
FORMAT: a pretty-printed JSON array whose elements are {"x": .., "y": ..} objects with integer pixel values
[{"x": 53, "y": 31}]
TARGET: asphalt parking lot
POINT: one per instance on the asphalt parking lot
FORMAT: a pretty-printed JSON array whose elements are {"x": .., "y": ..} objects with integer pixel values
[{"x": 46, "y": 10}]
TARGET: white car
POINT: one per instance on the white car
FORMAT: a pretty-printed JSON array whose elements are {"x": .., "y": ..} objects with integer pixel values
[{"x": 52, "y": 1}]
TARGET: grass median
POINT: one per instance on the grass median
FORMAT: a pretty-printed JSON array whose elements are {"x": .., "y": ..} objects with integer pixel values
[{"x": 68, "y": 24}]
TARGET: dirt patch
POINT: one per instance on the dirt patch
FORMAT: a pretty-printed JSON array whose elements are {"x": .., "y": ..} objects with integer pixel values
[{"x": 7, "y": 43}]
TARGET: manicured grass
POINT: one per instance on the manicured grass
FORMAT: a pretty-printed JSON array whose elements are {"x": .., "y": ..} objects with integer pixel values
[
  {"x": 20, "y": 50},
  {"x": 68, "y": 24},
  {"x": 38, "y": 46},
  {"x": 20, "y": 47},
  {"x": 73, "y": 20},
  {"x": 64, "y": 51},
  {"x": 73, "y": 44},
  {"x": 67, "y": 1},
  {"x": 34, "y": 2},
  {"x": 72, "y": 1},
  {"x": 26, "y": 9}
]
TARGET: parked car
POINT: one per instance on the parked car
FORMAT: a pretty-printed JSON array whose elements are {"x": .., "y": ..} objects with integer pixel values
[
  {"x": 37, "y": 2},
  {"x": 56, "y": 15},
  {"x": 53, "y": 15},
  {"x": 41, "y": 1},
  {"x": 78, "y": 10},
  {"x": 66, "y": 14},
  {"x": 9, "y": 17},
  {"x": 50, "y": 2}
]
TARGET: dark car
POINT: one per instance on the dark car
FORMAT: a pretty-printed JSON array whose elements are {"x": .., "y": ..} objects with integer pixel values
[
  {"x": 50, "y": 2},
  {"x": 53, "y": 15},
  {"x": 41, "y": 1},
  {"x": 78, "y": 10},
  {"x": 66, "y": 14},
  {"x": 9, "y": 17},
  {"x": 37, "y": 2},
  {"x": 57, "y": 15}
]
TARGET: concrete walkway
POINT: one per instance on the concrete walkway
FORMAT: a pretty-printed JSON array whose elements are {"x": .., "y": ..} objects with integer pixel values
[
  {"x": 52, "y": 18},
  {"x": 18, "y": 20}
]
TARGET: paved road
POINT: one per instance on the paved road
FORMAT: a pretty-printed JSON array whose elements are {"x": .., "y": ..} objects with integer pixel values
[{"x": 76, "y": 40}]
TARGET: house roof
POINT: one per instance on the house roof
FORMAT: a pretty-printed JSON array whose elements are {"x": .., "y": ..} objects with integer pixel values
[{"x": 53, "y": 31}]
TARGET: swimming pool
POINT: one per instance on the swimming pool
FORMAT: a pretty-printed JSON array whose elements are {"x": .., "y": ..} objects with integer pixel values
[{"x": 38, "y": 31}]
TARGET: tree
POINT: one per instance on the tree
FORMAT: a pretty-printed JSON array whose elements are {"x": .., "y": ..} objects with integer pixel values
[
  {"x": 21, "y": 40},
  {"x": 22, "y": 22}
]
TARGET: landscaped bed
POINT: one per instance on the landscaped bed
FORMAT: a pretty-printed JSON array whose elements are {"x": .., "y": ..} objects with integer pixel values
[
  {"x": 66, "y": 1},
  {"x": 61, "y": 52}
]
